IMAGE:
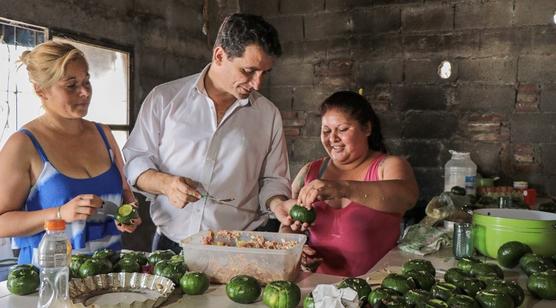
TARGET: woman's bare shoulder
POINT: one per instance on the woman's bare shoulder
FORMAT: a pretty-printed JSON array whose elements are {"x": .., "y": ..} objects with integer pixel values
[
  {"x": 394, "y": 165},
  {"x": 18, "y": 147}
]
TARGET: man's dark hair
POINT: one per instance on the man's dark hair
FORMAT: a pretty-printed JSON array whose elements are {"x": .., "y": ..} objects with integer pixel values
[
  {"x": 240, "y": 30},
  {"x": 359, "y": 109}
]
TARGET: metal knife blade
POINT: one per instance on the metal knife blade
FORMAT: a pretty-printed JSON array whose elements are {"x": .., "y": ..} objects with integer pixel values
[{"x": 108, "y": 208}]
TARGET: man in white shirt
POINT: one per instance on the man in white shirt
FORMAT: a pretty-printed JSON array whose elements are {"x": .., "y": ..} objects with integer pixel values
[{"x": 208, "y": 150}]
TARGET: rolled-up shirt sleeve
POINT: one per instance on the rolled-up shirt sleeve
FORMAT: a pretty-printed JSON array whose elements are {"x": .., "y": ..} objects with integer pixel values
[
  {"x": 275, "y": 179},
  {"x": 141, "y": 148}
]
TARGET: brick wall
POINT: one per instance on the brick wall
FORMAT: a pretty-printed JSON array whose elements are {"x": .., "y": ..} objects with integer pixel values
[{"x": 499, "y": 104}]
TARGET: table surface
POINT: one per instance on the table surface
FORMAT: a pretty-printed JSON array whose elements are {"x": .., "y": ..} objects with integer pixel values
[{"x": 216, "y": 295}]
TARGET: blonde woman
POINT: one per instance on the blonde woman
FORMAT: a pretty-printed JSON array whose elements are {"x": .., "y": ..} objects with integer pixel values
[{"x": 60, "y": 165}]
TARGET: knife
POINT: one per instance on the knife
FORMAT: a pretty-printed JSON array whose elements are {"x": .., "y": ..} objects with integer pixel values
[{"x": 108, "y": 208}]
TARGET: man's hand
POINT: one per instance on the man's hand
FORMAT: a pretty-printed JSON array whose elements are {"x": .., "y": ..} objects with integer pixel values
[
  {"x": 181, "y": 191},
  {"x": 282, "y": 210}
]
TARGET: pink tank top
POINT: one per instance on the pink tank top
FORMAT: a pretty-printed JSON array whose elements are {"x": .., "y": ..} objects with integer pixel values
[{"x": 352, "y": 239}]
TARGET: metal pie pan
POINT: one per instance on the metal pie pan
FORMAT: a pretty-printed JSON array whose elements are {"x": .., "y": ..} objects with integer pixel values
[{"x": 120, "y": 290}]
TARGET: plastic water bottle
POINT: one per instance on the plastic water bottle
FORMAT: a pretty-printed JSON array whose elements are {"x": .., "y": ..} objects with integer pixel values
[
  {"x": 54, "y": 256},
  {"x": 461, "y": 171}
]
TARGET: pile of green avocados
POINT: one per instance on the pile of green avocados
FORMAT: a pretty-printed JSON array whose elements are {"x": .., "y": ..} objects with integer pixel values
[
  {"x": 24, "y": 279},
  {"x": 471, "y": 284}
]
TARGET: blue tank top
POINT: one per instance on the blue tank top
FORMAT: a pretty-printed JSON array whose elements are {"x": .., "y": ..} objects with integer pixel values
[{"x": 54, "y": 189}]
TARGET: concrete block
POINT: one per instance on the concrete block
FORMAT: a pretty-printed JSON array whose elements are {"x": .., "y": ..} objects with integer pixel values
[
  {"x": 499, "y": 70},
  {"x": 536, "y": 68},
  {"x": 313, "y": 124},
  {"x": 293, "y": 118},
  {"x": 282, "y": 97},
  {"x": 471, "y": 97},
  {"x": 306, "y": 149},
  {"x": 426, "y": 71},
  {"x": 430, "y": 181},
  {"x": 550, "y": 185},
  {"x": 301, "y": 7},
  {"x": 548, "y": 98},
  {"x": 325, "y": 25},
  {"x": 428, "y": 18},
  {"x": 539, "y": 12},
  {"x": 419, "y": 98},
  {"x": 367, "y": 47},
  {"x": 463, "y": 44},
  {"x": 344, "y": 5},
  {"x": 377, "y": 20},
  {"x": 422, "y": 153},
  {"x": 306, "y": 51},
  {"x": 380, "y": 97},
  {"x": 291, "y": 74},
  {"x": 290, "y": 28},
  {"x": 309, "y": 98},
  {"x": 543, "y": 40},
  {"x": 380, "y": 71},
  {"x": 491, "y": 14},
  {"x": 548, "y": 153},
  {"x": 391, "y": 124},
  {"x": 337, "y": 73},
  {"x": 503, "y": 42},
  {"x": 257, "y": 7},
  {"x": 533, "y": 128},
  {"x": 429, "y": 125}
]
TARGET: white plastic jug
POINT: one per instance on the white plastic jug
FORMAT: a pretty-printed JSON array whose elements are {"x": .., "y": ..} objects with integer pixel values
[{"x": 461, "y": 171}]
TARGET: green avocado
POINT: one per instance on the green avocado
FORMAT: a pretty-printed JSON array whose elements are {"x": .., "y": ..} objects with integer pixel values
[
  {"x": 510, "y": 253},
  {"x": 94, "y": 266},
  {"x": 419, "y": 265},
  {"x": 444, "y": 290},
  {"x": 302, "y": 214},
  {"x": 128, "y": 265},
  {"x": 379, "y": 294},
  {"x": 159, "y": 255},
  {"x": 398, "y": 283},
  {"x": 243, "y": 289},
  {"x": 359, "y": 285},
  {"x": 23, "y": 279},
  {"x": 454, "y": 275},
  {"x": 543, "y": 284},
  {"x": 75, "y": 264},
  {"x": 508, "y": 287},
  {"x": 462, "y": 301},
  {"x": 171, "y": 270},
  {"x": 494, "y": 300},
  {"x": 423, "y": 280}
]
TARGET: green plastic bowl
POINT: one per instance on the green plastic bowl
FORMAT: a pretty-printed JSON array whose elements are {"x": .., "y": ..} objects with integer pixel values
[{"x": 494, "y": 227}]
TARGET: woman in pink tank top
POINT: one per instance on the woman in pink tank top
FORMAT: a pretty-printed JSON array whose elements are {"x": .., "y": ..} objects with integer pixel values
[{"x": 359, "y": 193}]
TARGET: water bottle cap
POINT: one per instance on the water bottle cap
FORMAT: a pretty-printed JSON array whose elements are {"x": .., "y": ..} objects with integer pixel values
[{"x": 55, "y": 225}]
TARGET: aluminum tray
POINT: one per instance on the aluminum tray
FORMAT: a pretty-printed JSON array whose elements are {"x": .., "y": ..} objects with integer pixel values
[{"x": 120, "y": 290}]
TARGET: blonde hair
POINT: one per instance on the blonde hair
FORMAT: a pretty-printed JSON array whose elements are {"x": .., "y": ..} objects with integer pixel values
[{"x": 46, "y": 63}]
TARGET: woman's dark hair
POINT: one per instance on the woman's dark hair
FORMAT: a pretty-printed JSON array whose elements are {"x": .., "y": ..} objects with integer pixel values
[
  {"x": 241, "y": 30},
  {"x": 357, "y": 107}
]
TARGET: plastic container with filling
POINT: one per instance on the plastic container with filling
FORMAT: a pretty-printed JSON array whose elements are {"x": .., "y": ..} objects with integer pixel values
[
  {"x": 221, "y": 263},
  {"x": 494, "y": 227}
]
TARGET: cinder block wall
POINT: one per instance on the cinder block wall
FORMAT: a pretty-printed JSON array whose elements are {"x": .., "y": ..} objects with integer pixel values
[{"x": 499, "y": 104}]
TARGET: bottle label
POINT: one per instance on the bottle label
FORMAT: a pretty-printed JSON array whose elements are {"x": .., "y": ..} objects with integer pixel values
[
  {"x": 54, "y": 258},
  {"x": 470, "y": 184}
]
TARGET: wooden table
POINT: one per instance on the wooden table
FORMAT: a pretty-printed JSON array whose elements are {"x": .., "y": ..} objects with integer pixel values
[{"x": 216, "y": 295}]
